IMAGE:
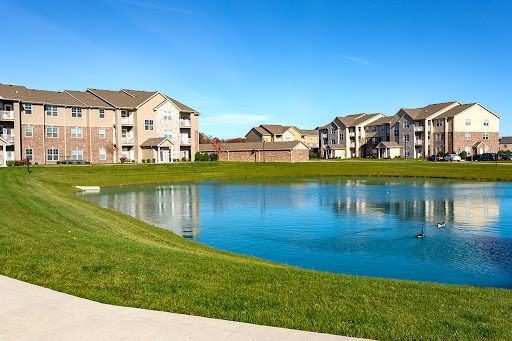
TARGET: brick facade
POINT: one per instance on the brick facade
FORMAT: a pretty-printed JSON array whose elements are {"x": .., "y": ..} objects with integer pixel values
[
  {"x": 294, "y": 155},
  {"x": 460, "y": 142}
]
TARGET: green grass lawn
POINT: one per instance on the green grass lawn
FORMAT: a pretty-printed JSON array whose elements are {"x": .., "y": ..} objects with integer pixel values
[{"x": 51, "y": 237}]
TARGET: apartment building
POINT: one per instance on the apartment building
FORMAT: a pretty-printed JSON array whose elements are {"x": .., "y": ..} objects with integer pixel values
[
  {"x": 446, "y": 127},
  {"x": 506, "y": 143},
  {"x": 99, "y": 126},
  {"x": 279, "y": 133},
  {"x": 344, "y": 136}
]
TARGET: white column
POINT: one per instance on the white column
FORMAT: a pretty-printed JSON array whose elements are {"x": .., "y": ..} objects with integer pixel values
[
  {"x": 425, "y": 143},
  {"x": 158, "y": 155},
  {"x": 171, "y": 154},
  {"x": 5, "y": 155}
]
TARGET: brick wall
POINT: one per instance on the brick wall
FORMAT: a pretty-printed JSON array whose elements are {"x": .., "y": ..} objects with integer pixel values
[
  {"x": 82, "y": 143},
  {"x": 298, "y": 155},
  {"x": 36, "y": 142},
  {"x": 97, "y": 143},
  {"x": 460, "y": 142}
]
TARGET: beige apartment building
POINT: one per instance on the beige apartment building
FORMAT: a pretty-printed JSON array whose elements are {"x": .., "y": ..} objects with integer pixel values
[
  {"x": 416, "y": 133},
  {"x": 98, "y": 126},
  {"x": 280, "y": 133}
]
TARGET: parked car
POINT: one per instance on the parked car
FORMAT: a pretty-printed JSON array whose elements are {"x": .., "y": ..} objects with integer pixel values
[
  {"x": 435, "y": 158},
  {"x": 507, "y": 157},
  {"x": 475, "y": 157},
  {"x": 488, "y": 157},
  {"x": 452, "y": 157}
]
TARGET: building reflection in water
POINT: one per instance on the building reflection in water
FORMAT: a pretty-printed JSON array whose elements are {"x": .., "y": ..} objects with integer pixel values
[{"x": 173, "y": 207}]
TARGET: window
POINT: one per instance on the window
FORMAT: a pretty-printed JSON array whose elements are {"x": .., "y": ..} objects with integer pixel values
[
  {"x": 374, "y": 140},
  {"x": 102, "y": 113},
  {"x": 28, "y": 109},
  {"x": 333, "y": 131},
  {"x": 438, "y": 150},
  {"x": 439, "y": 137},
  {"x": 77, "y": 154},
  {"x": 486, "y": 136},
  {"x": 342, "y": 135},
  {"x": 76, "y": 112},
  {"x": 148, "y": 124},
  {"x": 486, "y": 122},
  {"x": 124, "y": 113},
  {"x": 168, "y": 133},
  {"x": 382, "y": 128},
  {"x": 124, "y": 132},
  {"x": 76, "y": 133},
  {"x": 467, "y": 136},
  {"x": 29, "y": 154},
  {"x": 103, "y": 154},
  {"x": 439, "y": 123},
  {"x": 102, "y": 133},
  {"x": 406, "y": 138},
  {"x": 52, "y": 154},
  {"x": 468, "y": 150},
  {"x": 29, "y": 131},
  {"x": 167, "y": 115},
  {"x": 406, "y": 124},
  {"x": 51, "y": 110},
  {"x": 468, "y": 121},
  {"x": 374, "y": 128},
  {"x": 333, "y": 141},
  {"x": 52, "y": 132},
  {"x": 396, "y": 132}
]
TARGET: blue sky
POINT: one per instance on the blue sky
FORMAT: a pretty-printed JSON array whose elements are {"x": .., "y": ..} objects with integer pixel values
[{"x": 245, "y": 63}]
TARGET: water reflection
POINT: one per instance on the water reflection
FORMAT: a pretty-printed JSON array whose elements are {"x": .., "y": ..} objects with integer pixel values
[{"x": 360, "y": 226}]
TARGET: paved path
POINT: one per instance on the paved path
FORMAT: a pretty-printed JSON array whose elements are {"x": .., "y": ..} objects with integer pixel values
[{"x": 30, "y": 312}]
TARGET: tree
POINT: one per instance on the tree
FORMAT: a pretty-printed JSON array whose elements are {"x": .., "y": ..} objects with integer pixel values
[
  {"x": 236, "y": 140},
  {"x": 203, "y": 138},
  {"x": 219, "y": 146}
]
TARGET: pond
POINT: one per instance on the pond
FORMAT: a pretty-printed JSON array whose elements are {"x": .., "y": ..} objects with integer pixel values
[{"x": 354, "y": 226}]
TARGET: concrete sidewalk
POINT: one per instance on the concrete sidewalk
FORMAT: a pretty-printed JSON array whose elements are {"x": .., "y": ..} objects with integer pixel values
[{"x": 30, "y": 312}]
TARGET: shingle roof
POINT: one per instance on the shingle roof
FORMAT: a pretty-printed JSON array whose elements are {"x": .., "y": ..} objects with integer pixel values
[
  {"x": 180, "y": 105},
  {"x": 123, "y": 99},
  {"x": 381, "y": 121},
  {"x": 154, "y": 141},
  {"x": 274, "y": 129},
  {"x": 89, "y": 99},
  {"x": 390, "y": 144},
  {"x": 350, "y": 120},
  {"x": 455, "y": 111},
  {"x": 232, "y": 147},
  {"x": 308, "y": 132},
  {"x": 21, "y": 93},
  {"x": 506, "y": 139},
  {"x": 429, "y": 110},
  {"x": 336, "y": 146}
]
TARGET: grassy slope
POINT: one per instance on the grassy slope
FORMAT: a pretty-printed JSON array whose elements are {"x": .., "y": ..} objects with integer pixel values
[{"x": 119, "y": 260}]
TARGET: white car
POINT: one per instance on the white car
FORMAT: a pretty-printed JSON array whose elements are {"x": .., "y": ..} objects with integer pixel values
[{"x": 452, "y": 157}]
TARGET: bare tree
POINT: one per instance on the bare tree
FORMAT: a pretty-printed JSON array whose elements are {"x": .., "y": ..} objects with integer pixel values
[{"x": 219, "y": 146}]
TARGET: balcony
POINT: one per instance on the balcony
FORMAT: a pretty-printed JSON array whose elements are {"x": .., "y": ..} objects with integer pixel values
[
  {"x": 126, "y": 120},
  {"x": 421, "y": 128},
  {"x": 185, "y": 123},
  {"x": 8, "y": 137},
  {"x": 324, "y": 136},
  {"x": 352, "y": 134},
  {"x": 127, "y": 140},
  {"x": 6, "y": 115},
  {"x": 419, "y": 143},
  {"x": 352, "y": 145},
  {"x": 185, "y": 140}
]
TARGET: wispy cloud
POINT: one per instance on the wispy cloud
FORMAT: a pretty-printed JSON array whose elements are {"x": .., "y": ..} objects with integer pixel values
[
  {"x": 358, "y": 60},
  {"x": 236, "y": 119},
  {"x": 159, "y": 7}
]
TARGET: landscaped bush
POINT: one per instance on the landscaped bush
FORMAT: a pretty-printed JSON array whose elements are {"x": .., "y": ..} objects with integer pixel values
[
  {"x": 148, "y": 160},
  {"x": 205, "y": 157},
  {"x": 143, "y": 160},
  {"x": 153, "y": 160},
  {"x": 10, "y": 163},
  {"x": 214, "y": 157},
  {"x": 463, "y": 155},
  {"x": 198, "y": 156},
  {"x": 313, "y": 155},
  {"x": 123, "y": 159}
]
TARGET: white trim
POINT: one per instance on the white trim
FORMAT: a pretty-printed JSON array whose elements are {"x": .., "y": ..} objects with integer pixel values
[{"x": 156, "y": 93}]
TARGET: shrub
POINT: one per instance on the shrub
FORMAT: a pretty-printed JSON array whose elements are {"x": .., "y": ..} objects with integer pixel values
[
  {"x": 143, "y": 160},
  {"x": 206, "y": 156},
  {"x": 463, "y": 155},
  {"x": 214, "y": 157},
  {"x": 184, "y": 159},
  {"x": 198, "y": 156},
  {"x": 313, "y": 155},
  {"x": 148, "y": 160},
  {"x": 10, "y": 163},
  {"x": 123, "y": 159},
  {"x": 153, "y": 160}
]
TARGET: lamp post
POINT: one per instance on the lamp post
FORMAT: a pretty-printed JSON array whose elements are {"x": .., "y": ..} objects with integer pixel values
[{"x": 28, "y": 166}]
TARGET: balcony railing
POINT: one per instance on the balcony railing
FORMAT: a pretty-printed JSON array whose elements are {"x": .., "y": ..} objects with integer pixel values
[
  {"x": 324, "y": 136},
  {"x": 127, "y": 140},
  {"x": 185, "y": 140},
  {"x": 185, "y": 123},
  {"x": 126, "y": 120},
  {"x": 421, "y": 128},
  {"x": 352, "y": 134},
  {"x": 7, "y": 137},
  {"x": 419, "y": 143},
  {"x": 352, "y": 145},
  {"x": 6, "y": 115}
]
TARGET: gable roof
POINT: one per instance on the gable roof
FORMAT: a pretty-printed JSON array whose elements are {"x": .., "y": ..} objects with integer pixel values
[
  {"x": 89, "y": 99},
  {"x": 123, "y": 98},
  {"x": 381, "y": 121},
  {"x": 429, "y": 110},
  {"x": 389, "y": 144},
  {"x": 506, "y": 139},
  {"x": 308, "y": 132},
  {"x": 21, "y": 93},
  {"x": 259, "y": 130},
  {"x": 155, "y": 141},
  {"x": 336, "y": 146},
  {"x": 461, "y": 108},
  {"x": 275, "y": 129},
  {"x": 350, "y": 120}
]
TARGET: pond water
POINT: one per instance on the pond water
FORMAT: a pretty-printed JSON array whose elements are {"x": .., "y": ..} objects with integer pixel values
[{"x": 355, "y": 226}]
